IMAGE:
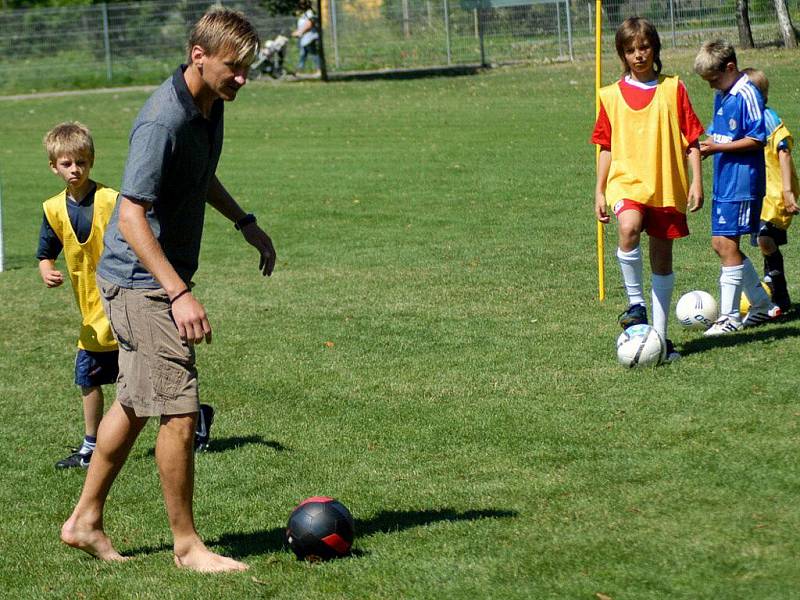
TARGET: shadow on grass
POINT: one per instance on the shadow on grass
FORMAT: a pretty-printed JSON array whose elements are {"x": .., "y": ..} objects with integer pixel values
[
  {"x": 407, "y": 73},
  {"x": 271, "y": 540},
  {"x": 232, "y": 443},
  {"x": 745, "y": 336}
]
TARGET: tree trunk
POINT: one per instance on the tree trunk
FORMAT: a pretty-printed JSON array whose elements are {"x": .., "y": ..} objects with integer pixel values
[
  {"x": 323, "y": 67},
  {"x": 785, "y": 24},
  {"x": 743, "y": 22}
]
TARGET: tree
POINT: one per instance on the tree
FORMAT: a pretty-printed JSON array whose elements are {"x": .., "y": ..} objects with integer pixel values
[
  {"x": 613, "y": 10},
  {"x": 743, "y": 23},
  {"x": 280, "y": 7},
  {"x": 785, "y": 24}
]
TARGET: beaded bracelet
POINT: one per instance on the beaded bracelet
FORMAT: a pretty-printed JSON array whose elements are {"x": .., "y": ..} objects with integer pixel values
[{"x": 178, "y": 295}]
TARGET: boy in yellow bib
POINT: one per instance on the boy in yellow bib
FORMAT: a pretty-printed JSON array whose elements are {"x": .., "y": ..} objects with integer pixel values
[
  {"x": 74, "y": 222},
  {"x": 647, "y": 131}
]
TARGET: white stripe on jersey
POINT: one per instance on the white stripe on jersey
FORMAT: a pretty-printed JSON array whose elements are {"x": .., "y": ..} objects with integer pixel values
[{"x": 751, "y": 101}]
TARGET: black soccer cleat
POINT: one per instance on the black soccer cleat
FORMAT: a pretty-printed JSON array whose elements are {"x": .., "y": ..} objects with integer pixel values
[
  {"x": 635, "y": 314},
  {"x": 76, "y": 460},
  {"x": 202, "y": 435},
  {"x": 671, "y": 355}
]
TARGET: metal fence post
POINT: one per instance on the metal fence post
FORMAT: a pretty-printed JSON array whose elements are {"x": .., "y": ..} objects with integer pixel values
[
  {"x": 334, "y": 34},
  {"x": 479, "y": 16},
  {"x": 446, "y": 8},
  {"x": 569, "y": 31},
  {"x": 672, "y": 21},
  {"x": 558, "y": 23},
  {"x": 106, "y": 42}
]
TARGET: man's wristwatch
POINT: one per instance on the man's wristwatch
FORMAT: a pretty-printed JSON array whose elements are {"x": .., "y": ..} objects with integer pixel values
[{"x": 245, "y": 221}]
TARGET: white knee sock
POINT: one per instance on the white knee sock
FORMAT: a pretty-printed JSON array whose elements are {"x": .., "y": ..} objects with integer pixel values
[
  {"x": 661, "y": 298},
  {"x": 630, "y": 263},
  {"x": 751, "y": 286},
  {"x": 730, "y": 291}
]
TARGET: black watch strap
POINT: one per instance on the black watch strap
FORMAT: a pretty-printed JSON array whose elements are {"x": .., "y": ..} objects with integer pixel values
[{"x": 245, "y": 221}]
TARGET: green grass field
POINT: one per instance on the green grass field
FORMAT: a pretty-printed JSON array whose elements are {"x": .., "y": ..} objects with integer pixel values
[{"x": 468, "y": 409}]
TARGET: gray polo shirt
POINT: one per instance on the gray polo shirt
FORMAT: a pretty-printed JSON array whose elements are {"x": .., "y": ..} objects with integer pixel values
[{"x": 172, "y": 157}]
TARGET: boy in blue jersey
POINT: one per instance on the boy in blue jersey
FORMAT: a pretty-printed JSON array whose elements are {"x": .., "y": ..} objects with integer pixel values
[
  {"x": 780, "y": 201},
  {"x": 737, "y": 137}
]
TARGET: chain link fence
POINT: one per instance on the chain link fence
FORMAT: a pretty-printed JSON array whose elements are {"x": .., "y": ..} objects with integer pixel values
[
  {"x": 369, "y": 34},
  {"x": 141, "y": 42}
]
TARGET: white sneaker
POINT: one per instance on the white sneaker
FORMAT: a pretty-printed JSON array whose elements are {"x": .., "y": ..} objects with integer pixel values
[
  {"x": 761, "y": 314},
  {"x": 723, "y": 326}
]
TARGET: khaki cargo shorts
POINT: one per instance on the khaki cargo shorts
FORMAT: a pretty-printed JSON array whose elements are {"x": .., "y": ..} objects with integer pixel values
[{"x": 157, "y": 374}]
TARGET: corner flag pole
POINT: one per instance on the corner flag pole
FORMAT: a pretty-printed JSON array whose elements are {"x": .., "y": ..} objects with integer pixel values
[
  {"x": 2, "y": 254},
  {"x": 598, "y": 78}
]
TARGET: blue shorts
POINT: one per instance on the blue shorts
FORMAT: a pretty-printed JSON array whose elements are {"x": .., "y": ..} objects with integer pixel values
[
  {"x": 93, "y": 369},
  {"x": 733, "y": 219}
]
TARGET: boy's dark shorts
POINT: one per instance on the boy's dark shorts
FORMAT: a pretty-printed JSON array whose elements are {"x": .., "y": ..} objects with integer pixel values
[
  {"x": 93, "y": 369},
  {"x": 769, "y": 230}
]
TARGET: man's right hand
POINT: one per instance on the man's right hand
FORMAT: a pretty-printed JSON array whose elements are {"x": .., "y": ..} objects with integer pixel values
[{"x": 191, "y": 319}]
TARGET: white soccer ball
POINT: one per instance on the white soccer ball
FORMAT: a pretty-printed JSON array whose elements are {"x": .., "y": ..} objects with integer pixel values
[
  {"x": 640, "y": 346},
  {"x": 697, "y": 310}
]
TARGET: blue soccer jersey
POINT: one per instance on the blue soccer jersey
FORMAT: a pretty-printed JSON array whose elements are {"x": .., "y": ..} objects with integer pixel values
[{"x": 739, "y": 114}]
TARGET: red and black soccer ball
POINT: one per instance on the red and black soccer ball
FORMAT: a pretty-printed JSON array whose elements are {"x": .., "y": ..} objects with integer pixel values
[{"x": 320, "y": 528}]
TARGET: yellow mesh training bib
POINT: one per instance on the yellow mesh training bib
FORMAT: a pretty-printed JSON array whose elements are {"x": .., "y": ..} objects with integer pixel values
[
  {"x": 648, "y": 150},
  {"x": 82, "y": 262},
  {"x": 773, "y": 209}
]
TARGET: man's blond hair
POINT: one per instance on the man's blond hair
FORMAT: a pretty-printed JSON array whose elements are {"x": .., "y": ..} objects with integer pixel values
[
  {"x": 222, "y": 30},
  {"x": 713, "y": 57},
  {"x": 71, "y": 139},
  {"x": 759, "y": 80}
]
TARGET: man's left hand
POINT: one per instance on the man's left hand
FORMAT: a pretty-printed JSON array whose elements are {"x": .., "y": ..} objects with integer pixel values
[{"x": 257, "y": 238}]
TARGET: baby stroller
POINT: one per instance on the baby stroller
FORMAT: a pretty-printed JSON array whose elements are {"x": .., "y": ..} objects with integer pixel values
[{"x": 270, "y": 58}]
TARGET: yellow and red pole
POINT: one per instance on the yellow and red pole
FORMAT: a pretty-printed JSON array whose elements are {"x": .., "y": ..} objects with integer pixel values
[{"x": 598, "y": 80}]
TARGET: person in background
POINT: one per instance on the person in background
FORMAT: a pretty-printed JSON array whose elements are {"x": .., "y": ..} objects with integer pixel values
[{"x": 307, "y": 36}]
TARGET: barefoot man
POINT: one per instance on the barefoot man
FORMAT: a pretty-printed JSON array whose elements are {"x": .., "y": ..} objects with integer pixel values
[{"x": 151, "y": 253}]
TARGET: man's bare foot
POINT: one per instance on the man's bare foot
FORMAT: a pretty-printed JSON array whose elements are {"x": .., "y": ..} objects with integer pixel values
[
  {"x": 90, "y": 539},
  {"x": 199, "y": 558}
]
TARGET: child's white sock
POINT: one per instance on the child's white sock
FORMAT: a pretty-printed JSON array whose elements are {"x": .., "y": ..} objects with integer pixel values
[
  {"x": 751, "y": 286},
  {"x": 88, "y": 445},
  {"x": 662, "y": 286},
  {"x": 630, "y": 263},
  {"x": 730, "y": 291}
]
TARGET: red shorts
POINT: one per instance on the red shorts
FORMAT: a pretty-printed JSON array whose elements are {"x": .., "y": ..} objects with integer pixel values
[{"x": 663, "y": 222}]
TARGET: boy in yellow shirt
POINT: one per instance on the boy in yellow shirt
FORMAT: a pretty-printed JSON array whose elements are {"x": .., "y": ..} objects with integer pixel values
[
  {"x": 74, "y": 222},
  {"x": 780, "y": 201},
  {"x": 648, "y": 135}
]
